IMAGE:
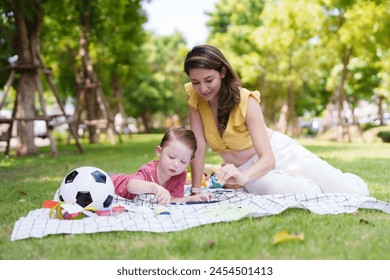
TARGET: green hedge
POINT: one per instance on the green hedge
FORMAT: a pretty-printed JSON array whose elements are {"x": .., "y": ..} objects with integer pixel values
[{"x": 384, "y": 135}]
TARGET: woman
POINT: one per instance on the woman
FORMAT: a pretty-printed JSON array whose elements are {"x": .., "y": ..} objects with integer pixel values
[{"x": 228, "y": 118}]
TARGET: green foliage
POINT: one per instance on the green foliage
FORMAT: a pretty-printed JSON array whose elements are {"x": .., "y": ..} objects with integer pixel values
[
  {"x": 384, "y": 135},
  {"x": 360, "y": 26},
  {"x": 362, "y": 80},
  {"x": 287, "y": 43},
  {"x": 148, "y": 73},
  {"x": 231, "y": 27},
  {"x": 303, "y": 43},
  {"x": 114, "y": 40},
  {"x": 27, "y": 182},
  {"x": 7, "y": 30},
  {"x": 235, "y": 19},
  {"x": 159, "y": 85},
  {"x": 276, "y": 50}
]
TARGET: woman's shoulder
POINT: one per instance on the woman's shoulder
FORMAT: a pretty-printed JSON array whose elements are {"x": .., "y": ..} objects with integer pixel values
[
  {"x": 245, "y": 94},
  {"x": 242, "y": 108},
  {"x": 192, "y": 96},
  {"x": 189, "y": 89}
]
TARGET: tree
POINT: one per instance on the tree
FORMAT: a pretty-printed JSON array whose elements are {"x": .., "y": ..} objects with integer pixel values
[
  {"x": 272, "y": 49},
  {"x": 160, "y": 79},
  {"x": 382, "y": 92},
  {"x": 354, "y": 30},
  {"x": 107, "y": 53},
  {"x": 26, "y": 17},
  {"x": 231, "y": 29},
  {"x": 7, "y": 31},
  {"x": 231, "y": 26},
  {"x": 296, "y": 52},
  {"x": 287, "y": 41}
]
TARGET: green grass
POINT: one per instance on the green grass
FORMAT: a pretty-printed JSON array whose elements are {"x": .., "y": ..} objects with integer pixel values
[{"x": 26, "y": 182}]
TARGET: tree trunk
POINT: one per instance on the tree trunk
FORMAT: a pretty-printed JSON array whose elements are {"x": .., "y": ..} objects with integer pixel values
[
  {"x": 379, "y": 99},
  {"x": 292, "y": 114},
  {"x": 88, "y": 81},
  {"x": 90, "y": 84},
  {"x": 117, "y": 107},
  {"x": 145, "y": 116},
  {"x": 117, "y": 97},
  {"x": 288, "y": 123},
  {"x": 27, "y": 40},
  {"x": 342, "y": 125},
  {"x": 282, "y": 124},
  {"x": 26, "y": 109}
]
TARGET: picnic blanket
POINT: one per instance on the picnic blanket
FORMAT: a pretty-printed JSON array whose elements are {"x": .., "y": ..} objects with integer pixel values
[{"x": 227, "y": 206}]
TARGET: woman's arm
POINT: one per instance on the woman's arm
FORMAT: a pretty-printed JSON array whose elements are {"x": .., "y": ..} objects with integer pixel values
[
  {"x": 197, "y": 164},
  {"x": 255, "y": 122},
  {"x": 258, "y": 131}
]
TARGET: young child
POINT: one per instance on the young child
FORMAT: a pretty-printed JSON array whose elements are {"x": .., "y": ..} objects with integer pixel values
[{"x": 166, "y": 176}]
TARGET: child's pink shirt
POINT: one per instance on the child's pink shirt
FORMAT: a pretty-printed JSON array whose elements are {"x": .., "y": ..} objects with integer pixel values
[{"x": 148, "y": 172}]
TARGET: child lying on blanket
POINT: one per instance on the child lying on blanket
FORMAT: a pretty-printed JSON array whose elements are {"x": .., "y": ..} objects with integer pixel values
[{"x": 165, "y": 177}]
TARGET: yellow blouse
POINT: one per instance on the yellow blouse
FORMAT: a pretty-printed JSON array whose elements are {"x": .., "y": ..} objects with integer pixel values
[{"x": 236, "y": 136}]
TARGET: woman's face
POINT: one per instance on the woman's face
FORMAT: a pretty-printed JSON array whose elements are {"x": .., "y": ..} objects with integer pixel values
[{"x": 206, "y": 82}]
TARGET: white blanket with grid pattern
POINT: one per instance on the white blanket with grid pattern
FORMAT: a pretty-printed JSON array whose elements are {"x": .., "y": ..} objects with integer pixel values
[{"x": 227, "y": 206}]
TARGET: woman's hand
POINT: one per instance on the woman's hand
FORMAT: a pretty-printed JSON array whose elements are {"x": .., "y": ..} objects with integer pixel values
[
  {"x": 229, "y": 174},
  {"x": 162, "y": 194}
]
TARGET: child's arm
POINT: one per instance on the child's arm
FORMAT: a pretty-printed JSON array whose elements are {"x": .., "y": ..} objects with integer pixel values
[
  {"x": 137, "y": 186},
  {"x": 196, "y": 197}
]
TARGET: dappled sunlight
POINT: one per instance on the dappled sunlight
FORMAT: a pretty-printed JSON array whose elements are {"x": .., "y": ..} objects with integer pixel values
[
  {"x": 42, "y": 179},
  {"x": 349, "y": 151},
  {"x": 7, "y": 162}
]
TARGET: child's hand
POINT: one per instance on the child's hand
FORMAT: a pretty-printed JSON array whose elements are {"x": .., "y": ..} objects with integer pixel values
[
  {"x": 202, "y": 197},
  {"x": 162, "y": 194}
]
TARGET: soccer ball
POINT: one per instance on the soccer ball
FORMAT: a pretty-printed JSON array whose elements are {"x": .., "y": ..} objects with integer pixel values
[{"x": 87, "y": 186}]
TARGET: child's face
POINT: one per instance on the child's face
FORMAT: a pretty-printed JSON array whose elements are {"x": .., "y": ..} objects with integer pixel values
[{"x": 174, "y": 157}]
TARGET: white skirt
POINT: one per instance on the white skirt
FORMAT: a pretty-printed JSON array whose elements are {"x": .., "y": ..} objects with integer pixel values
[{"x": 298, "y": 170}]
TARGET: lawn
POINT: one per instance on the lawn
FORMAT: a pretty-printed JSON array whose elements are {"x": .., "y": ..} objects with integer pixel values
[{"x": 26, "y": 182}]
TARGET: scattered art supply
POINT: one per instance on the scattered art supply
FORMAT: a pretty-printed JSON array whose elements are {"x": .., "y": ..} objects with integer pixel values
[
  {"x": 161, "y": 210},
  {"x": 214, "y": 181},
  {"x": 103, "y": 212},
  {"x": 117, "y": 210}
]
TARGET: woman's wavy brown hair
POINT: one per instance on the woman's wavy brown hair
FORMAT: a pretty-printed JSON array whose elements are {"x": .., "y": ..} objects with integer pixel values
[{"x": 209, "y": 57}]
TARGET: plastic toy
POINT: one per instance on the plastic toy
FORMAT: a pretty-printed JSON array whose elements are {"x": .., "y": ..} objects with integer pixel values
[
  {"x": 214, "y": 182},
  {"x": 117, "y": 210},
  {"x": 57, "y": 211},
  {"x": 103, "y": 212}
]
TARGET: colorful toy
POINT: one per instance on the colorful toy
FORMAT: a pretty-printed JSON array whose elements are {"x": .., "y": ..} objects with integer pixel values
[
  {"x": 117, "y": 210},
  {"x": 214, "y": 182},
  {"x": 87, "y": 186},
  {"x": 57, "y": 211},
  {"x": 103, "y": 212}
]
